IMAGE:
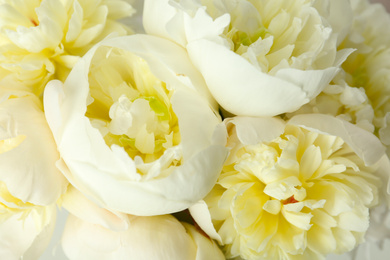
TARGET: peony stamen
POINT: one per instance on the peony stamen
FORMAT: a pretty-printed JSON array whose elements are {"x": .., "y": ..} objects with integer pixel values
[
  {"x": 290, "y": 200},
  {"x": 34, "y": 22}
]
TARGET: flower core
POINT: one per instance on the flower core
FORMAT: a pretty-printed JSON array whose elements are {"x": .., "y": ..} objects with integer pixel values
[{"x": 131, "y": 107}]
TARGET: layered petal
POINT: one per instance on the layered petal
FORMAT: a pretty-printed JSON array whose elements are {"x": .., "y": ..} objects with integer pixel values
[{"x": 42, "y": 40}]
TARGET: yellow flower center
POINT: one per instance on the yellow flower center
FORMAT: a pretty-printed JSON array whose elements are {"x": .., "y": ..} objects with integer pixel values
[{"x": 131, "y": 107}]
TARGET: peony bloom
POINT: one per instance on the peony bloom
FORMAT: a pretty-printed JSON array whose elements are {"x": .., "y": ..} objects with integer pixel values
[
  {"x": 360, "y": 94},
  {"x": 25, "y": 228},
  {"x": 369, "y": 67},
  {"x": 41, "y": 40},
  {"x": 274, "y": 56},
  {"x": 157, "y": 237},
  {"x": 301, "y": 189},
  {"x": 28, "y": 152},
  {"x": 132, "y": 134}
]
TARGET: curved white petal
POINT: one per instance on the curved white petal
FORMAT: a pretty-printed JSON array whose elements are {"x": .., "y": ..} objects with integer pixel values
[
  {"x": 28, "y": 152},
  {"x": 159, "y": 237},
  {"x": 202, "y": 217},
  {"x": 233, "y": 82}
]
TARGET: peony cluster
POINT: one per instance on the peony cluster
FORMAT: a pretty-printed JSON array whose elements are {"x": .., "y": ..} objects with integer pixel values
[{"x": 194, "y": 129}]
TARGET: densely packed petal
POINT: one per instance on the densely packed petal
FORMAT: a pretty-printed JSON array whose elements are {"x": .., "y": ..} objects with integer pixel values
[
  {"x": 302, "y": 193},
  {"x": 41, "y": 40}
]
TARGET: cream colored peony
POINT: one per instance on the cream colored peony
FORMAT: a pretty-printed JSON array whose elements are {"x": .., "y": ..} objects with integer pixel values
[
  {"x": 42, "y": 40},
  {"x": 274, "y": 56},
  {"x": 132, "y": 131},
  {"x": 360, "y": 94},
  {"x": 295, "y": 190}
]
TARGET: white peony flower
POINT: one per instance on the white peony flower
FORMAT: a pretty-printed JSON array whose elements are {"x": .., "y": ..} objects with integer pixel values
[
  {"x": 25, "y": 228},
  {"x": 272, "y": 56},
  {"x": 295, "y": 190},
  {"x": 41, "y": 40},
  {"x": 28, "y": 152},
  {"x": 132, "y": 134},
  {"x": 366, "y": 89}
]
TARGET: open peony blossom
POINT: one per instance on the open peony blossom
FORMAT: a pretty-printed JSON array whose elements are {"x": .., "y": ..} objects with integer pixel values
[
  {"x": 133, "y": 133},
  {"x": 25, "y": 228},
  {"x": 296, "y": 190},
  {"x": 272, "y": 56},
  {"x": 41, "y": 40},
  {"x": 28, "y": 152}
]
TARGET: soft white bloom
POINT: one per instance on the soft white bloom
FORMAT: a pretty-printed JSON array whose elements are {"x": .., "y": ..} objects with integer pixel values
[
  {"x": 133, "y": 133},
  {"x": 360, "y": 93},
  {"x": 295, "y": 190},
  {"x": 157, "y": 237},
  {"x": 272, "y": 56},
  {"x": 369, "y": 67},
  {"x": 25, "y": 229},
  {"x": 28, "y": 152},
  {"x": 40, "y": 40}
]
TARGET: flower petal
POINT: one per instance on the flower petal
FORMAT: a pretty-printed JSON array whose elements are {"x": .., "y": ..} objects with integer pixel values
[
  {"x": 34, "y": 176},
  {"x": 159, "y": 237}
]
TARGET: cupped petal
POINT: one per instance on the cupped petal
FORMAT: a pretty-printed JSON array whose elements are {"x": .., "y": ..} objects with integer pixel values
[
  {"x": 28, "y": 152},
  {"x": 366, "y": 145},
  {"x": 233, "y": 81},
  {"x": 26, "y": 237},
  {"x": 158, "y": 237},
  {"x": 202, "y": 217}
]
